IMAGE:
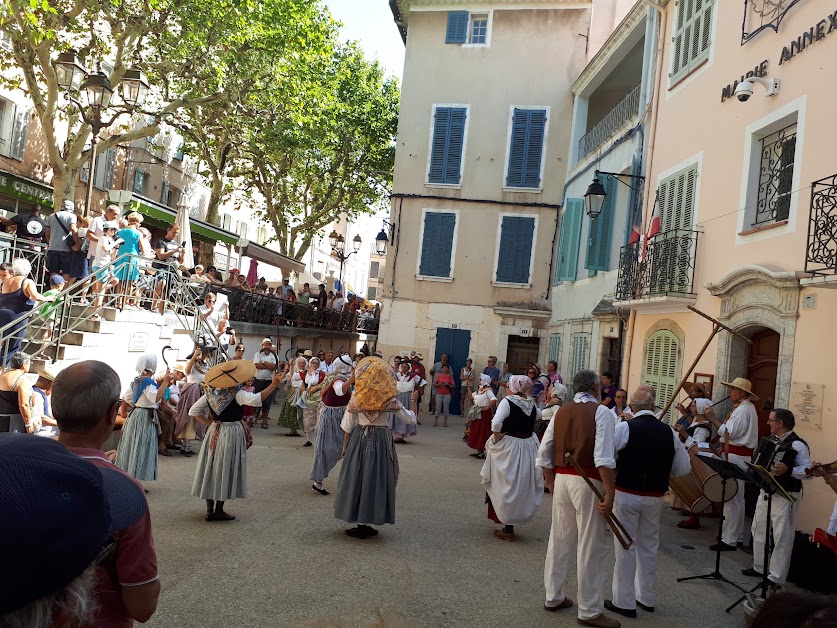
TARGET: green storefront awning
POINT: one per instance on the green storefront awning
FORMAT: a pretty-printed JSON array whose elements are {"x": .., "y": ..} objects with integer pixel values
[
  {"x": 25, "y": 189},
  {"x": 163, "y": 216}
]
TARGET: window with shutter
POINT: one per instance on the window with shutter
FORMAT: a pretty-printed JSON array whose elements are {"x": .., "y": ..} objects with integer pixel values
[
  {"x": 677, "y": 200},
  {"x": 373, "y": 269},
  {"x": 662, "y": 365},
  {"x": 447, "y": 144},
  {"x": 164, "y": 193},
  {"x": 514, "y": 258},
  {"x": 598, "y": 244},
  {"x": 104, "y": 170},
  {"x": 371, "y": 293},
  {"x": 692, "y": 36},
  {"x": 555, "y": 348},
  {"x": 570, "y": 239},
  {"x": 581, "y": 348},
  {"x": 84, "y": 172},
  {"x": 110, "y": 168},
  {"x": 457, "y": 30},
  {"x": 526, "y": 146},
  {"x": 17, "y": 147},
  {"x": 139, "y": 182},
  {"x": 437, "y": 244}
]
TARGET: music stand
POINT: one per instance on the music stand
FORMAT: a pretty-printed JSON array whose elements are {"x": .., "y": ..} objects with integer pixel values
[
  {"x": 768, "y": 484},
  {"x": 726, "y": 470}
]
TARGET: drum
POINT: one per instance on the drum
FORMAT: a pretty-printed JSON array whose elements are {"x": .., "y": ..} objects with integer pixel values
[
  {"x": 689, "y": 488},
  {"x": 713, "y": 488}
]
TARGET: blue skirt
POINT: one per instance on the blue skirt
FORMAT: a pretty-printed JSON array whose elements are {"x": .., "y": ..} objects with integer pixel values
[{"x": 137, "y": 453}]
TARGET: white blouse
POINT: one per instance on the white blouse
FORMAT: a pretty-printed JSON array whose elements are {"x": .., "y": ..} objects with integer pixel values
[
  {"x": 242, "y": 398},
  {"x": 483, "y": 399},
  {"x": 296, "y": 380},
  {"x": 195, "y": 376},
  {"x": 503, "y": 411},
  {"x": 312, "y": 379},
  {"x": 351, "y": 420},
  {"x": 148, "y": 398}
]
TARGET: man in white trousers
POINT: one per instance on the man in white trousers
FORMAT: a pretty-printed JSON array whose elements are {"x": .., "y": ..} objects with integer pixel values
[
  {"x": 648, "y": 452},
  {"x": 585, "y": 429},
  {"x": 742, "y": 429},
  {"x": 787, "y": 463}
]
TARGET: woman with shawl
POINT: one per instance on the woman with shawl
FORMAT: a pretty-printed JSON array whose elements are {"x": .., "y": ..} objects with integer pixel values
[
  {"x": 291, "y": 414},
  {"x": 186, "y": 427},
  {"x": 137, "y": 452},
  {"x": 366, "y": 489},
  {"x": 336, "y": 393},
  {"x": 310, "y": 401},
  {"x": 222, "y": 462},
  {"x": 479, "y": 416},
  {"x": 513, "y": 483},
  {"x": 408, "y": 384}
]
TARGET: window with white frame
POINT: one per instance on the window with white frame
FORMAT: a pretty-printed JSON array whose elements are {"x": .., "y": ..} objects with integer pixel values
[
  {"x": 478, "y": 29},
  {"x": 776, "y": 158},
  {"x": 14, "y": 123},
  {"x": 464, "y": 27},
  {"x": 371, "y": 293},
  {"x": 692, "y": 38},
  {"x": 373, "y": 269},
  {"x": 447, "y": 144}
]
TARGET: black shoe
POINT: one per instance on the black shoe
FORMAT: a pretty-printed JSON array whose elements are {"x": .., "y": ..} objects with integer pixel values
[
  {"x": 647, "y": 609},
  {"x": 627, "y": 612},
  {"x": 307, "y": 443},
  {"x": 751, "y": 572},
  {"x": 723, "y": 547},
  {"x": 476, "y": 455},
  {"x": 358, "y": 532},
  {"x": 321, "y": 491},
  {"x": 480, "y": 456},
  {"x": 370, "y": 531},
  {"x": 187, "y": 452},
  {"x": 177, "y": 447}
]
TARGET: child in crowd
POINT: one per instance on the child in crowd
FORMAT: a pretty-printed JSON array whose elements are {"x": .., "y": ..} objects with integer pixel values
[
  {"x": 249, "y": 411},
  {"x": 47, "y": 311},
  {"x": 106, "y": 248}
]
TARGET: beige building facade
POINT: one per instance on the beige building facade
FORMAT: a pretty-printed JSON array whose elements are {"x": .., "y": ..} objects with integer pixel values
[
  {"x": 745, "y": 190},
  {"x": 480, "y": 163}
]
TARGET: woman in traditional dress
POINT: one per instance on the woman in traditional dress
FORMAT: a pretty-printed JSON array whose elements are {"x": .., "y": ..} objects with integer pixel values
[
  {"x": 291, "y": 415},
  {"x": 336, "y": 392},
  {"x": 466, "y": 379},
  {"x": 555, "y": 399},
  {"x": 366, "y": 489},
  {"x": 137, "y": 452},
  {"x": 479, "y": 417},
  {"x": 408, "y": 385},
  {"x": 513, "y": 482},
  {"x": 312, "y": 384},
  {"x": 185, "y": 426},
  {"x": 221, "y": 473}
]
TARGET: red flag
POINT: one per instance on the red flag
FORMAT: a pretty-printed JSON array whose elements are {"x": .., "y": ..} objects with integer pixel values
[
  {"x": 635, "y": 235},
  {"x": 654, "y": 227}
]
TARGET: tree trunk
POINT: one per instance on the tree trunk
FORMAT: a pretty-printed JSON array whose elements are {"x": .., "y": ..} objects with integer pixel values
[
  {"x": 63, "y": 187},
  {"x": 215, "y": 197},
  {"x": 206, "y": 254}
]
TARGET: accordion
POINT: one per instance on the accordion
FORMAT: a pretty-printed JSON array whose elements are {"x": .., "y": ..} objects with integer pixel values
[{"x": 771, "y": 450}]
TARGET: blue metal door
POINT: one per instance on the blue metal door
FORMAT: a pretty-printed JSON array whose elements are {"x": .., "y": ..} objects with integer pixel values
[{"x": 456, "y": 343}]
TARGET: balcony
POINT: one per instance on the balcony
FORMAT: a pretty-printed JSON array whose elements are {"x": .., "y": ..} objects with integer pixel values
[
  {"x": 660, "y": 279},
  {"x": 613, "y": 120},
  {"x": 821, "y": 252}
]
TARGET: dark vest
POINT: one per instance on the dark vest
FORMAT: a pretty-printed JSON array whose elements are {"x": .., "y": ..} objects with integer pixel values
[
  {"x": 518, "y": 423},
  {"x": 575, "y": 432},
  {"x": 333, "y": 400},
  {"x": 644, "y": 465},
  {"x": 699, "y": 426},
  {"x": 786, "y": 454},
  {"x": 231, "y": 413}
]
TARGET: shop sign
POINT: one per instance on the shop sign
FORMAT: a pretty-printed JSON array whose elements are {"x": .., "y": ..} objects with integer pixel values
[{"x": 10, "y": 185}]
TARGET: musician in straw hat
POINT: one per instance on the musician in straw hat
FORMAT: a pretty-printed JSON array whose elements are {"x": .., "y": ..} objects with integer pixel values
[
  {"x": 742, "y": 431},
  {"x": 648, "y": 453},
  {"x": 221, "y": 473},
  {"x": 585, "y": 429}
]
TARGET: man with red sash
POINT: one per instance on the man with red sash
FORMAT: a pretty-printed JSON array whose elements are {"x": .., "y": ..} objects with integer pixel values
[
  {"x": 585, "y": 429},
  {"x": 742, "y": 431}
]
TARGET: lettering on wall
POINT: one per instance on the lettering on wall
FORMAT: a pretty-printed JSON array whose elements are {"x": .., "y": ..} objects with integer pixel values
[
  {"x": 729, "y": 91},
  {"x": 814, "y": 34}
]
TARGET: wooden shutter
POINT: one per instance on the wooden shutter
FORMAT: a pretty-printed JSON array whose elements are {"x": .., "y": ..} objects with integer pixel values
[
  {"x": 570, "y": 239},
  {"x": 662, "y": 361},
  {"x": 441, "y": 122},
  {"x": 677, "y": 200},
  {"x": 447, "y": 144},
  {"x": 437, "y": 244},
  {"x": 692, "y": 36},
  {"x": 139, "y": 180},
  {"x": 598, "y": 244},
  {"x": 110, "y": 168},
  {"x": 526, "y": 148},
  {"x": 515, "y": 254},
  {"x": 164, "y": 193},
  {"x": 17, "y": 140},
  {"x": 580, "y": 352},
  {"x": 457, "y": 30},
  {"x": 455, "y": 144},
  {"x": 555, "y": 348}
]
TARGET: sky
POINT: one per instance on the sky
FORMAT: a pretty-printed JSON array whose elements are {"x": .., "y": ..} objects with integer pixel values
[{"x": 370, "y": 23}]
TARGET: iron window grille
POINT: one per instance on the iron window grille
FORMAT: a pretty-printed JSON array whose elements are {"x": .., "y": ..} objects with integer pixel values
[
  {"x": 821, "y": 253},
  {"x": 777, "y": 156},
  {"x": 664, "y": 266}
]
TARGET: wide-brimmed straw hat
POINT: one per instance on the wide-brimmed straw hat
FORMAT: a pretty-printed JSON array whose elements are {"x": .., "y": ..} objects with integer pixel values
[
  {"x": 701, "y": 387},
  {"x": 229, "y": 374},
  {"x": 742, "y": 384},
  {"x": 308, "y": 353}
]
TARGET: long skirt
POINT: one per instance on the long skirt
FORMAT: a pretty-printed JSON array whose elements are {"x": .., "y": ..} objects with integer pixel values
[
  {"x": 511, "y": 479},
  {"x": 309, "y": 419},
  {"x": 399, "y": 428},
  {"x": 137, "y": 453},
  {"x": 329, "y": 443},
  {"x": 366, "y": 489},
  {"x": 186, "y": 426},
  {"x": 480, "y": 430},
  {"x": 290, "y": 416},
  {"x": 222, "y": 463}
]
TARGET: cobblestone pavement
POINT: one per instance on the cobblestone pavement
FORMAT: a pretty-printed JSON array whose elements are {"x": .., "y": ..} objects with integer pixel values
[{"x": 285, "y": 561}]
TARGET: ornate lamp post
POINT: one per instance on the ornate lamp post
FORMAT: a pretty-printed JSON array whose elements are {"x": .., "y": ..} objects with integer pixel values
[{"x": 338, "y": 247}]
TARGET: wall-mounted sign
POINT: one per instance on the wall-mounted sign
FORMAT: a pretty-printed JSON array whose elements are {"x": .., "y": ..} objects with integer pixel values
[
  {"x": 806, "y": 403},
  {"x": 138, "y": 341},
  {"x": 809, "y": 37},
  {"x": 729, "y": 91},
  {"x": 763, "y": 14},
  {"x": 21, "y": 188}
]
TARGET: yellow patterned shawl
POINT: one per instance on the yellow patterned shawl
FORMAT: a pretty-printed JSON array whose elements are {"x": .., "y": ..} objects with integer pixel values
[{"x": 375, "y": 391}]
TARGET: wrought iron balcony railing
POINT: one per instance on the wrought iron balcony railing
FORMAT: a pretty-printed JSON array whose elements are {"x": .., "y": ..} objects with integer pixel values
[
  {"x": 666, "y": 266},
  {"x": 624, "y": 110},
  {"x": 821, "y": 252}
]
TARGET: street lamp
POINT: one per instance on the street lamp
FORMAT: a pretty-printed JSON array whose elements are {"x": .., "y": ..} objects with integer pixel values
[
  {"x": 134, "y": 86},
  {"x": 332, "y": 239},
  {"x": 594, "y": 198},
  {"x": 382, "y": 239},
  {"x": 338, "y": 247},
  {"x": 68, "y": 71},
  {"x": 98, "y": 92}
]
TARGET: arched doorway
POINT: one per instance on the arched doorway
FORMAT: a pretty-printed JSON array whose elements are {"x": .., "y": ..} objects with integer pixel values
[{"x": 762, "y": 370}]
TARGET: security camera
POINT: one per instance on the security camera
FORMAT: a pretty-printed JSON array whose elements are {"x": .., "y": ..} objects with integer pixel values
[{"x": 744, "y": 90}]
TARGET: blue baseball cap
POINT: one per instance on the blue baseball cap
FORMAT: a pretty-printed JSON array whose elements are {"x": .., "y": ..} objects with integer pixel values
[
  {"x": 56, "y": 280},
  {"x": 71, "y": 504}
]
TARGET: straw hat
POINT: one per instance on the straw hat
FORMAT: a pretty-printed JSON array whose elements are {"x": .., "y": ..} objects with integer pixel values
[
  {"x": 701, "y": 387},
  {"x": 180, "y": 367},
  {"x": 49, "y": 372},
  {"x": 229, "y": 374},
  {"x": 308, "y": 353},
  {"x": 742, "y": 384}
]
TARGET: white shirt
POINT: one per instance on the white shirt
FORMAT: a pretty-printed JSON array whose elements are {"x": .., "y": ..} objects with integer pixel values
[
  {"x": 351, "y": 420},
  {"x": 832, "y": 524},
  {"x": 619, "y": 419},
  {"x": 264, "y": 373},
  {"x": 242, "y": 398},
  {"x": 296, "y": 380},
  {"x": 338, "y": 304},
  {"x": 103, "y": 250},
  {"x": 503, "y": 411},
  {"x": 148, "y": 398},
  {"x": 742, "y": 426},
  {"x": 681, "y": 465},
  {"x": 701, "y": 434},
  {"x": 197, "y": 374},
  {"x": 312, "y": 379},
  {"x": 603, "y": 451},
  {"x": 211, "y": 315},
  {"x": 96, "y": 229},
  {"x": 484, "y": 398}
]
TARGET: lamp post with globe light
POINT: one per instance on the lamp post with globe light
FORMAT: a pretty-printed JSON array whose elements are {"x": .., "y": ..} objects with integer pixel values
[{"x": 338, "y": 247}]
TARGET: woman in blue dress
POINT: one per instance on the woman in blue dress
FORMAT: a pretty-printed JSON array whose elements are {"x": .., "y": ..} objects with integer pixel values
[{"x": 134, "y": 244}]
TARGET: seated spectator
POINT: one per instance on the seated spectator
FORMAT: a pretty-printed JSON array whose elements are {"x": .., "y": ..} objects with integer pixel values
[
  {"x": 42, "y": 418},
  {"x": 15, "y": 394},
  {"x": 262, "y": 285},
  {"x": 199, "y": 275}
]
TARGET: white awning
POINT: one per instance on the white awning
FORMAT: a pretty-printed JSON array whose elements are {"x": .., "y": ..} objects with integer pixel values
[{"x": 263, "y": 254}]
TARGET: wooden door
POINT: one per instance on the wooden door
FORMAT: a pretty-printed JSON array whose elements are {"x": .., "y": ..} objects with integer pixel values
[
  {"x": 521, "y": 352},
  {"x": 762, "y": 366},
  {"x": 456, "y": 343}
]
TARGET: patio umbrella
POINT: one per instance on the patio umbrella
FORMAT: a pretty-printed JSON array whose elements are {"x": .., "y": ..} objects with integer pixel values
[
  {"x": 253, "y": 273},
  {"x": 182, "y": 221}
]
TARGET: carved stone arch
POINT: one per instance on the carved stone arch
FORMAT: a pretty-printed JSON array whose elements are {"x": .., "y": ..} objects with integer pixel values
[{"x": 755, "y": 297}]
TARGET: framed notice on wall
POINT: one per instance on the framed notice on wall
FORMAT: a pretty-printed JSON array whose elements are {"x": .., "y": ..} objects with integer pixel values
[{"x": 806, "y": 403}]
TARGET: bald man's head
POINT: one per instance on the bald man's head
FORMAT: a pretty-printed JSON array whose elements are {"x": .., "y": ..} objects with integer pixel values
[
  {"x": 643, "y": 398},
  {"x": 83, "y": 395}
]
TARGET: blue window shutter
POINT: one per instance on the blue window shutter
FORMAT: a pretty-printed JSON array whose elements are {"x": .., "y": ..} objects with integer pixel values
[
  {"x": 598, "y": 245},
  {"x": 515, "y": 253},
  {"x": 457, "y": 31},
  {"x": 526, "y": 148},
  {"x": 437, "y": 244},
  {"x": 441, "y": 124},
  {"x": 455, "y": 143},
  {"x": 517, "y": 148},
  {"x": 570, "y": 237},
  {"x": 448, "y": 142}
]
